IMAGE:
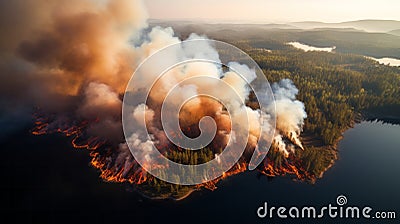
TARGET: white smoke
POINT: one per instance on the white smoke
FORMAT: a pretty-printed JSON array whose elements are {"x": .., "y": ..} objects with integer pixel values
[{"x": 290, "y": 115}]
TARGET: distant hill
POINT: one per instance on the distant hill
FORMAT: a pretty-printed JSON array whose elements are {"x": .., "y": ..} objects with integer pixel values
[
  {"x": 274, "y": 36},
  {"x": 375, "y": 26},
  {"x": 181, "y": 23},
  {"x": 380, "y": 26},
  {"x": 395, "y": 32}
]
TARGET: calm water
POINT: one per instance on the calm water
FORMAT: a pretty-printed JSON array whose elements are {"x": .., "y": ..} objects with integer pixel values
[
  {"x": 57, "y": 185},
  {"x": 387, "y": 61},
  {"x": 306, "y": 47}
]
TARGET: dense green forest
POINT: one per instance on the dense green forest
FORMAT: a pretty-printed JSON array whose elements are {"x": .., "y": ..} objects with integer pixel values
[{"x": 335, "y": 87}]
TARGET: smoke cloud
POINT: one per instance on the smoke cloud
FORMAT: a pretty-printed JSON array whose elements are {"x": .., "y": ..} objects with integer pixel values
[
  {"x": 52, "y": 50},
  {"x": 290, "y": 115}
]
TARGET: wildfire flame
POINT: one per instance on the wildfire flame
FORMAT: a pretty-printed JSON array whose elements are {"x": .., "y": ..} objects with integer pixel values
[{"x": 102, "y": 154}]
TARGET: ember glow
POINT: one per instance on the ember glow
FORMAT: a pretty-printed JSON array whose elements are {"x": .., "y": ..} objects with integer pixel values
[{"x": 76, "y": 59}]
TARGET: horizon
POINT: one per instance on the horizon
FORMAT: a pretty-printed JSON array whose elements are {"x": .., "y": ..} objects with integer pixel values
[
  {"x": 286, "y": 11},
  {"x": 262, "y": 22}
]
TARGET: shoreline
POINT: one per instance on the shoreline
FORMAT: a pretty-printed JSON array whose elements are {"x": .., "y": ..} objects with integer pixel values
[{"x": 358, "y": 118}]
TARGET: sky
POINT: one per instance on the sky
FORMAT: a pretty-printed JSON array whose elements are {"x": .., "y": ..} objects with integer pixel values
[{"x": 262, "y": 11}]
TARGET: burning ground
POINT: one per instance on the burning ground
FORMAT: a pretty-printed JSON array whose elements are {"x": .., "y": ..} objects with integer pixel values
[{"x": 71, "y": 61}]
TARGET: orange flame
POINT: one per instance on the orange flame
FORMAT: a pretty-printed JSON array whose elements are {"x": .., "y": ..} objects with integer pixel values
[{"x": 134, "y": 174}]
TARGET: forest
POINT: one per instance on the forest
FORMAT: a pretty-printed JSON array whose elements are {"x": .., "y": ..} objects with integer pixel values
[{"x": 335, "y": 87}]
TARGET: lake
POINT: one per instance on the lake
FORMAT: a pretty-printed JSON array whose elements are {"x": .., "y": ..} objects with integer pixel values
[
  {"x": 56, "y": 184},
  {"x": 306, "y": 47},
  {"x": 387, "y": 61}
]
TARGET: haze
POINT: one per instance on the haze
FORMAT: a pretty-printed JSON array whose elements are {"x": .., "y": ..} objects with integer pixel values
[{"x": 267, "y": 11}]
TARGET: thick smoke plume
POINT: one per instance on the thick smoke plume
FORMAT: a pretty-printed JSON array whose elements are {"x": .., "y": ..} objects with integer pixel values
[
  {"x": 53, "y": 50},
  {"x": 73, "y": 60},
  {"x": 290, "y": 115}
]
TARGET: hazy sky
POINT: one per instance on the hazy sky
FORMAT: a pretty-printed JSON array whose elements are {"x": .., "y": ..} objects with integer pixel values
[{"x": 275, "y": 11}]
